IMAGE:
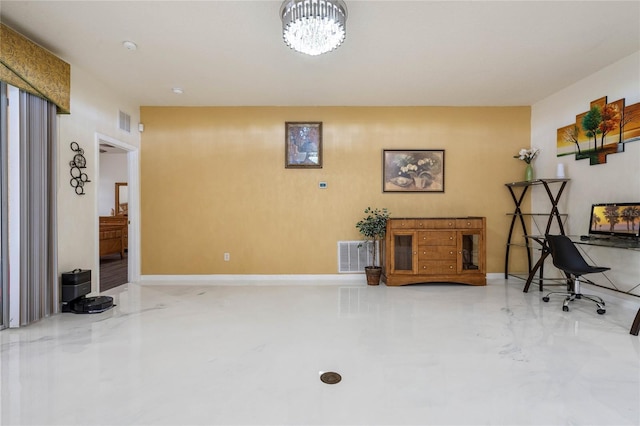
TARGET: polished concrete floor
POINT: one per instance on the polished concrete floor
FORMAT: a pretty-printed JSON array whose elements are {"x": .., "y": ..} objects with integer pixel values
[{"x": 439, "y": 354}]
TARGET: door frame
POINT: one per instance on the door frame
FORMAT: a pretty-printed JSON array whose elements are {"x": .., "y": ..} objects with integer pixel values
[{"x": 133, "y": 185}]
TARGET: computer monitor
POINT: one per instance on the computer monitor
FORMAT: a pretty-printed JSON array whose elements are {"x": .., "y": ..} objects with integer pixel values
[{"x": 616, "y": 219}]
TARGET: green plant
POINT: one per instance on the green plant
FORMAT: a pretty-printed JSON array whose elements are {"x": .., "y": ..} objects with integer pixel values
[
  {"x": 591, "y": 124},
  {"x": 373, "y": 227}
]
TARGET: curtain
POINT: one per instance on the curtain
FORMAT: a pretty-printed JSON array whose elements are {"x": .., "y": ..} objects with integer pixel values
[
  {"x": 39, "y": 290},
  {"x": 31, "y": 68},
  {"x": 4, "y": 210}
]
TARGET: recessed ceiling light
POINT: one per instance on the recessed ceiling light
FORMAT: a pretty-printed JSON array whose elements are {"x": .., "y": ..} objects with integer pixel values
[
  {"x": 129, "y": 45},
  {"x": 177, "y": 91}
]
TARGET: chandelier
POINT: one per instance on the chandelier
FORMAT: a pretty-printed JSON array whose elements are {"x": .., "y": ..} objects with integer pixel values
[{"x": 313, "y": 27}]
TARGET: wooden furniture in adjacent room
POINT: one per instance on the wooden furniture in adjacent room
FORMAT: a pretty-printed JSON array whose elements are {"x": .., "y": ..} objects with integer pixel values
[
  {"x": 122, "y": 199},
  {"x": 114, "y": 236},
  {"x": 428, "y": 250}
]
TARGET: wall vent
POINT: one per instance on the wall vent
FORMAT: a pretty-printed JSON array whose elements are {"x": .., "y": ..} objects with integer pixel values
[
  {"x": 124, "y": 122},
  {"x": 353, "y": 259}
]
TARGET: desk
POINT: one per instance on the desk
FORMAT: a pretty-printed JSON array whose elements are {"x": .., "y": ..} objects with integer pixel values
[
  {"x": 518, "y": 214},
  {"x": 544, "y": 253},
  {"x": 613, "y": 242},
  {"x": 617, "y": 243}
]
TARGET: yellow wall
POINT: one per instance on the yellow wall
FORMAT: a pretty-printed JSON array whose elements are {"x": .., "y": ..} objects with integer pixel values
[{"x": 213, "y": 180}]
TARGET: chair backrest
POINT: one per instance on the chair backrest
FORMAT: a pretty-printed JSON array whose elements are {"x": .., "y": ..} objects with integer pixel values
[{"x": 566, "y": 255}]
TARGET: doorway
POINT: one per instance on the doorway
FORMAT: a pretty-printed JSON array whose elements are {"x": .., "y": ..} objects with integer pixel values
[{"x": 118, "y": 212}]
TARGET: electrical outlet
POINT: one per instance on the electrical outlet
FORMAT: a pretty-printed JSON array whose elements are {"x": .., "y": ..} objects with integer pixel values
[{"x": 227, "y": 257}]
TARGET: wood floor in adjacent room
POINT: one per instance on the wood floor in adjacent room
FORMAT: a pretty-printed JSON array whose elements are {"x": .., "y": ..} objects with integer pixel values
[{"x": 113, "y": 271}]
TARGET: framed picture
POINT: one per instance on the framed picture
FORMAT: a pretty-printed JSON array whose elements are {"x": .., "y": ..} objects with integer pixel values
[
  {"x": 303, "y": 145},
  {"x": 413, "y": 170}
]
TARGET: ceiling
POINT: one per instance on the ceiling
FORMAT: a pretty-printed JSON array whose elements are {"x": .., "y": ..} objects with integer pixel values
[{"x": 397, "y": 53}]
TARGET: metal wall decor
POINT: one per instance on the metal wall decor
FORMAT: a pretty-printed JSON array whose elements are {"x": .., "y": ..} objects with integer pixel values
[{"x": 78, "y": 177}]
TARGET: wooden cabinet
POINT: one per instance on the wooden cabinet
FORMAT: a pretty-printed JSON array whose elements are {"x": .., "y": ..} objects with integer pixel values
[
  {"x": 114, "y": 235},
  {"x": 427, "y": 250}
]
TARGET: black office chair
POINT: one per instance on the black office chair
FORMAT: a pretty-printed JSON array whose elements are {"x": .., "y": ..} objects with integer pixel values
[{"x": 567, "y": 258}]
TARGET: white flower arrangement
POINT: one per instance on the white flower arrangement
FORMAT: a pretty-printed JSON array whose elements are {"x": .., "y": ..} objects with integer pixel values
[
  {"x": 527, "y": 155},
  {"x": 424, "y": 164}
]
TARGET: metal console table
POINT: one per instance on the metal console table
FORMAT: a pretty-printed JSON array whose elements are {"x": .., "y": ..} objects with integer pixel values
[{"x": 518, "y": 190}]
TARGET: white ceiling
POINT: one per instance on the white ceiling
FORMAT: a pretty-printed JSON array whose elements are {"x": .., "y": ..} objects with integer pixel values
[{"x": 231, "y": 53}]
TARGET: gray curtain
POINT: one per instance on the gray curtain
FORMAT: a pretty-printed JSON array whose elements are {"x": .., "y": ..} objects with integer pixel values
[
  {"x": 39, "y": 290},
  {"x": 4, "y": 210}
]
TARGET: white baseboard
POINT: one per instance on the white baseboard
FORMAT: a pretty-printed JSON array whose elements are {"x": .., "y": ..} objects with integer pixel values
[
  {"x": 258, "y": 279},
  {"x": 254, "y": 279},
  {"x": 495, "y": 275}
]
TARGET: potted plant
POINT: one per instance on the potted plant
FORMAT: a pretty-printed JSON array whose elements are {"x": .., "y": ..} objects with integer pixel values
[{"x": 373, "y": 228}]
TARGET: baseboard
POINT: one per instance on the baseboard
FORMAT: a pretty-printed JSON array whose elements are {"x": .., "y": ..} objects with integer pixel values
[
  {"x": 255, "y": 279},
  {"x": 495, "y": 276},
  {"x": 258, "y": 279}
]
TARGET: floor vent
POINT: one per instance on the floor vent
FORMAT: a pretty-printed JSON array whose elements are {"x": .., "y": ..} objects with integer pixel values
[
  {"x": 124, "y": 123},
  {"x": 353, "y": 256}
]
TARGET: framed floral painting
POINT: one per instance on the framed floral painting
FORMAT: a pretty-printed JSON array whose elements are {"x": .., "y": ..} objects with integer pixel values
[
  {"x": 303, "y": 145},
  {"x": 413, "y": 170}
]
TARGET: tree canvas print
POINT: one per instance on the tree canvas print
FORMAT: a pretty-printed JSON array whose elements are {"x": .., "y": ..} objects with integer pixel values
[{"x": 601, "y": 131}]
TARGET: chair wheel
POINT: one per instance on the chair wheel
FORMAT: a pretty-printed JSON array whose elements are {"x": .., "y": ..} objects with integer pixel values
[
  {"x": 545, "y": 299},
  {"x": 565, "y": 308},
  {"x": 601, "y": 311},
  {"x": 578, "y": 296}
]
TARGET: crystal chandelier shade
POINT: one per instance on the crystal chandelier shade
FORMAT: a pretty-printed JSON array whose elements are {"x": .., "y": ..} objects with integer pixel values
[{"x": 314, "y": 27}]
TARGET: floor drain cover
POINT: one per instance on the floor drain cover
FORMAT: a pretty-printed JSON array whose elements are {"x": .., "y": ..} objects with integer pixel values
[{"x": 330, "y": 378}]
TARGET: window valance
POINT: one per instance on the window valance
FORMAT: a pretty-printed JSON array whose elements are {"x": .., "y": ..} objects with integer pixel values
[{"x": 33, "y": 69}]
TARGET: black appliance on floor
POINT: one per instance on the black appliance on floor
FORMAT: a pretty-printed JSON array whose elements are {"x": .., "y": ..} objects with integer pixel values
[{"x": 76, "y": 285}]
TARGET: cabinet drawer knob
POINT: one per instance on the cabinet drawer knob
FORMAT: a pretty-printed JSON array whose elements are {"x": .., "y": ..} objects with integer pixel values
[
  {"x": 451, "y": 252},
  {"x": 450, "y": 224},
  {"x": 451, "y": 238},
  {"x": 424, "y": 267},
  {"x": 450, "y": 266},
  {"x": 415, "y": 252}
]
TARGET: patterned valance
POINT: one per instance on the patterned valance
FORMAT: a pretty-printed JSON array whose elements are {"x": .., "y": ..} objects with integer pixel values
[{"x": 33, "y": 69}]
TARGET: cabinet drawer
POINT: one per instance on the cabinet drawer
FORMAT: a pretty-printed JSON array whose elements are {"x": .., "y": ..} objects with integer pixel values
[
  {"x": 471, "y": 223},
  {"x": 437, "y": 238},
  {"x": 402, "y": 223},
  {"x": 438, "y": 223},
  {"x": 436, "y": 267},
  {"x": 424, "y": 224},
  {"x": 436, "y": 252}
]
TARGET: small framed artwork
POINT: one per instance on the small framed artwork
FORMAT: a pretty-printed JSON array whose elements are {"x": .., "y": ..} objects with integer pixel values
[
  {"x": 419, "y": 170},
  {"x": 303, "y": 145}
]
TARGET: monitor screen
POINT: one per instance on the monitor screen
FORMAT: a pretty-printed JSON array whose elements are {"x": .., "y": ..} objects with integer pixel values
[{"x": 619, "y": 219}]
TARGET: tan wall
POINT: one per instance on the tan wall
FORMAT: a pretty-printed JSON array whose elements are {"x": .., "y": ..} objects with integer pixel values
[{"x": 213, "y": 180}]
